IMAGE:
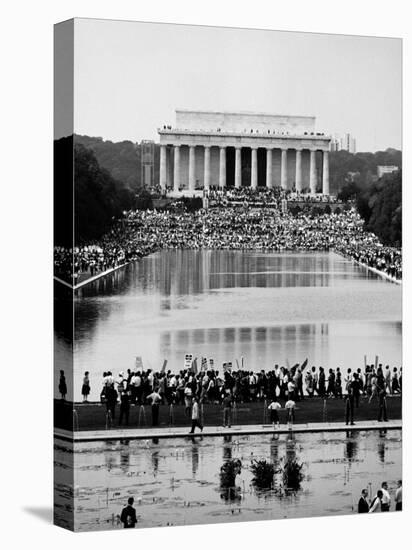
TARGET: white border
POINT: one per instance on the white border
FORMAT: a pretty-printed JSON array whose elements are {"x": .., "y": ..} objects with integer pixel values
[{"x": 26, "y": 275}]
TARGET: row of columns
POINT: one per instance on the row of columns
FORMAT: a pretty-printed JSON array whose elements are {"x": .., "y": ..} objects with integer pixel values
[{"x": 254, "y": 170}]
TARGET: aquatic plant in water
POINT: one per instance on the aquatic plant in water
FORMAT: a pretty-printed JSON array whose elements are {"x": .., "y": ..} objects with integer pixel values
[
  {"x": 263, "y": 473},
  {"x": 229, "y": 471},
  {"x": 292, "y": 474}
]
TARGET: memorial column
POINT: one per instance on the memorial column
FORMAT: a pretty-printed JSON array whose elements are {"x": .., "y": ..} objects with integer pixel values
[
  {"x": 254, "y": 175},
  {"x": 325, "y": 175},
  {"x": 269, "y": 168},
  {"x": 238, "y": 168},
  {"x": 284, "y": 169},
  {"x": 207, "y": 167},
  {"x": 312, "y": 175},
  {"x": 162, "y": 175},
  {"x": 298, "y": 178},
  {"x": 176, "y": 168},
  {"x": 222, "y": 168},
  {"x": 192, "y": 168}
]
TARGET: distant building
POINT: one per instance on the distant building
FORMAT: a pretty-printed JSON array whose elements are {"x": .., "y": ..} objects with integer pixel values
[
  {"x": 386, "y": 169},
  {"x": 147, "y": 163},
  {"x": 343, "y": 143},
  {"x": 207, "y": 149}
]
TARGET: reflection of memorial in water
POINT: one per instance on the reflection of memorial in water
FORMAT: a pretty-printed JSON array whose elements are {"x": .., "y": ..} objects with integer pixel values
[
  {"x": 109, "y": 456},
  {"x": 155, "y": 457},
  {"x": 195, "y": 456},
  {"x": 382, "y": 445},
  {"x": 228, "y": 304},
  {"x": 261, "y": 347},
  {"x": 351, "y": 446},
  {"x": 227, "y": 448},
  {"x": 124, "y": 455}
]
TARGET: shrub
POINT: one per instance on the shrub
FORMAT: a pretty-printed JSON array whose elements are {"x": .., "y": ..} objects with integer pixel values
[
  {"x": 263, "y": 472},
  {"x": 292, "y": 475},
  {"x": 228, "y": 473}
]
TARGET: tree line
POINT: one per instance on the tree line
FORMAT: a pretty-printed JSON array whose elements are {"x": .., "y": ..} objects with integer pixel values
[
  {"x": 380, "y": 205},
  {"x": 122, "y": 159}
]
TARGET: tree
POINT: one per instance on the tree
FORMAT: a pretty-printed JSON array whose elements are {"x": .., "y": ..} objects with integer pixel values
[{"x": 98, "y": 197}]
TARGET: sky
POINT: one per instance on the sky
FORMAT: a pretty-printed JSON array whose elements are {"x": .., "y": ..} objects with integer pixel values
[{"x": 130, "y": 77}]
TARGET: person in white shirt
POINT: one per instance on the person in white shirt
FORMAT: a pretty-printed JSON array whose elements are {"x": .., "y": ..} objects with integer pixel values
[
  {"x": 388, "y": 380},
  {"x": 290, "y": 407},
  {"x": 398, "y": 497},
  {"x": 377, "y": 503},
  {"x": 274, "y": 407},
  {"x": 386, "y": 498},
  {"x": 196, "y": 416},
  {"x": 291, "y": 389}
]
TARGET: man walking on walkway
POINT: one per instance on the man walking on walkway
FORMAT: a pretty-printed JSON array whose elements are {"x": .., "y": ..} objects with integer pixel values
[{"x": 196, "y": 416}]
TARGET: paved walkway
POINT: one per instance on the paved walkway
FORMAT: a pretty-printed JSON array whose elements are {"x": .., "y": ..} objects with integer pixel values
[{"x": 150, "y": 433}]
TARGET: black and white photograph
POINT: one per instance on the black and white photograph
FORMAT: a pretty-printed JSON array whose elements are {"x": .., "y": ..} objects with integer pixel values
[{"x": 227, "y": 274}]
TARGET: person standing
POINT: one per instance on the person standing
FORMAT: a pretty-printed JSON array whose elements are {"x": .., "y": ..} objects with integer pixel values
[
  {"x": 309, "y": 383},
  {"x": 124, "y": 408},
  {"x": 155, "y": 399},
  {"x": 383, "y": 412},
  {"x": 227, "y": 410},
  {"x": 196, "y": 416},
  {"x": 363, "y": 505},
  {"x": 321, "y": 382},
  {"x": 62, "y": 385},
  {"x": 85, "y": 386},
  {"x": 128, "y": 515},
  {"x": 398, "y": 497},
  {"x": 349, "y": 404},
  {"x": 388, "y": 379},
  {"x": 356, "y": 388},
  {"x": 377, "y": 503},
  {"x": 188, "y": 393},
  {"x": 273, "y": 408},
  {"x": 386, "y": 498},
  {"x": 290, "y": 408},
  {"x": 111, "y": 400}
]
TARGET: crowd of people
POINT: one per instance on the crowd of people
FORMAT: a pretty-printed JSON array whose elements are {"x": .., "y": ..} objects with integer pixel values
[
  {"x": 116, "y": 248},
  {"x": 382, "y": 501},
  {"x": 236, "y": 386},
  {"x": 266, "y": 197},
  {"x": 142, "y": 232}
]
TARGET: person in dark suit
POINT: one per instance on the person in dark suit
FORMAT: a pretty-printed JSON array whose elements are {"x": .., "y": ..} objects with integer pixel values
[
  {"x": 124, "y": 407},
  {"x": 363, "y": 505},
  {"x": 128, "y": 515},
  {"x": 350, "y": 404},
  {"x": 356, "y": 388}
]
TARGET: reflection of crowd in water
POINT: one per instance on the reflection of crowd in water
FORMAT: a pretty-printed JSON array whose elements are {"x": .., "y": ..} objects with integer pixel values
[{"x": 143, "y": 232}]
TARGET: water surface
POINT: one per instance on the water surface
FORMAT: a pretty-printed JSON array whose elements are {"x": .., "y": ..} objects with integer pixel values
[
  {"x": 176, "y": 481},
  {"x": 267, "y": 307}
]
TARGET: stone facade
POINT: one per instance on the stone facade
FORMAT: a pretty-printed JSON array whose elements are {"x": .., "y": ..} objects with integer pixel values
[{"x": 215, "y": 149}]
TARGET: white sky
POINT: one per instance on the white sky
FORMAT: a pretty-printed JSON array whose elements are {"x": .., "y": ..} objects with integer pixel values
[{"x": 130, "y": 77}]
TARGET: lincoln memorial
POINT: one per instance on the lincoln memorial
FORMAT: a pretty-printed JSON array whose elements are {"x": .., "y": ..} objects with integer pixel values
[{"x": 225, "y": 149}]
